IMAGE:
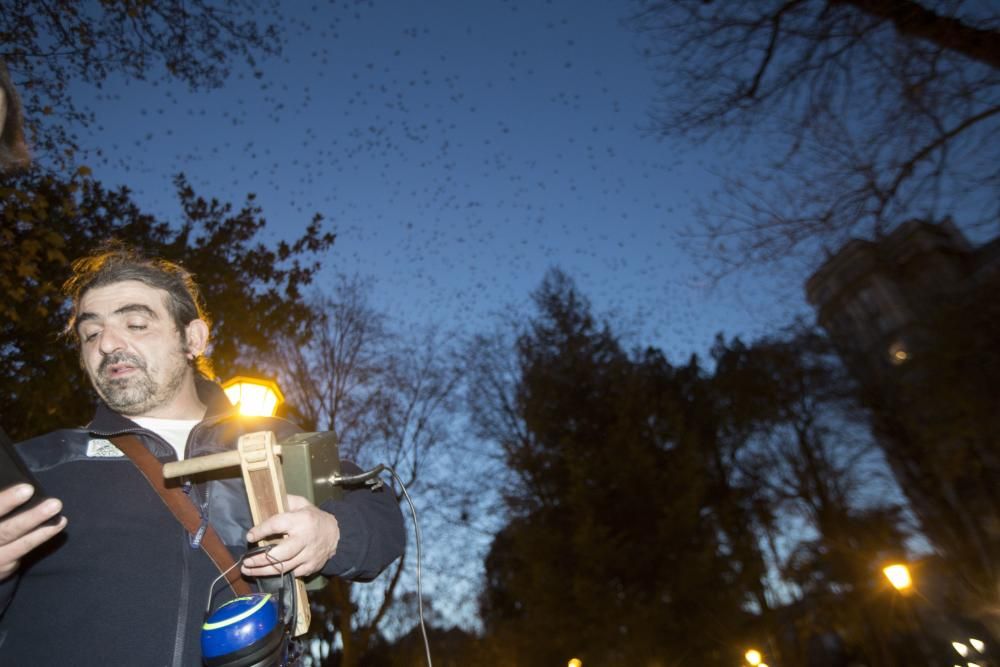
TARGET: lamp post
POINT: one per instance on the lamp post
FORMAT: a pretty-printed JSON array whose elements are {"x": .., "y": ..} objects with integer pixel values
[
  {"x": 255, "y": 397},
  {"x": 899, "y": 576}
]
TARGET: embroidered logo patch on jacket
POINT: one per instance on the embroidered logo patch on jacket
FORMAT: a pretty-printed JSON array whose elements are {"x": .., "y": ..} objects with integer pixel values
[{"x": 99, "y": 448}]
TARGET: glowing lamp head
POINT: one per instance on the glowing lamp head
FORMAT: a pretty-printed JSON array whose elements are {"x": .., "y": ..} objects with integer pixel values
[
  {"x": 255, "y": 397},
  {"x": 899, "y": 576},
  {"x": 753, "y": 657},
  {"x": 575, "y": 662}
]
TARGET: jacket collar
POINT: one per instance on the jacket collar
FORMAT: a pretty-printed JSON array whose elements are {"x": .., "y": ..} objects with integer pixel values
[{"x": 108, "y": 422}]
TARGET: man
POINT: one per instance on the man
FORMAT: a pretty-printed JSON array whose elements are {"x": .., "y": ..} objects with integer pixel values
[{"x": 115, "y": 579}]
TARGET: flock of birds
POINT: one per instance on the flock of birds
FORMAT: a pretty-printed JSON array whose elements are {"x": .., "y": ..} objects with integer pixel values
[{"x": 459, "y": 150}]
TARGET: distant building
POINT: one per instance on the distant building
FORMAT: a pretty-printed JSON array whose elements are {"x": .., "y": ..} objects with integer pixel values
[
  {"x": 913, "y": 316},
  {"x": 871, "y": 296}
]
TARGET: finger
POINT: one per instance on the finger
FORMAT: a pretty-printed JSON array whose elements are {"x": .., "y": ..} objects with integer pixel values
[
  {"x": 280, "y": 552},
  {"x": 273, "y": 568},
  {"x": 9, "y": 569},
  {"x": 15, "y": 527},
  {"x": 16, "y": 549},
  {"x": 303, "y": 563},
  {"x": 277, "y": 525},
  {"x": 14, "y": 496},
  {"x": 307, "y": 568},
  {"x": 12, "y": 552},
  {"x": 263, "y": 571},
  {"x": 287, "y": 554}
]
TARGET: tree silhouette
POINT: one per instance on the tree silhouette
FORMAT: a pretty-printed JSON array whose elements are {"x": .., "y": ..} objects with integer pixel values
[
  {"x": 805, "y": 445},
  {"x": 49, "y": 45},
  {"x": 758, "y": 472},
  {"x": 253, "y": 291},
  {"x": 607, "y": 554},
  {"x": 868, "y": 113}
]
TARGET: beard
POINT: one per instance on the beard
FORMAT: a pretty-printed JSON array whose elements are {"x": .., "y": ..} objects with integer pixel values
[{"x": 137, "y": 393}]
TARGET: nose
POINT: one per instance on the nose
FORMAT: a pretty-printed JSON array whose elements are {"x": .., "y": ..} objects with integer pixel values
[{"x": 110, "y": 341}]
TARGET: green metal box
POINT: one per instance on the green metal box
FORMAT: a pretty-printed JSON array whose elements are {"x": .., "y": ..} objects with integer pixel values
[{"x": 307, "y": 460}]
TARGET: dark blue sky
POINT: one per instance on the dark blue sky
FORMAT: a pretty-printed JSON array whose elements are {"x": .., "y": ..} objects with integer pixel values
[{"x": 460, "y": 149}]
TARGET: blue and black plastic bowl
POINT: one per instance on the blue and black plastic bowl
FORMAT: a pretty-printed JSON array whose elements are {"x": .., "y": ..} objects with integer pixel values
[{"x": 244, "y": 632}]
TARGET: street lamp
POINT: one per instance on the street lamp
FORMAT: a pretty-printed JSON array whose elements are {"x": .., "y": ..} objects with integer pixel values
[
  {"x": 898, "y": 354},
  {"x": 899, "y": 576},
  {"x": 575, "y": 662},
  {"x": 977, "y": 645},
  {"x": 255, "y": 397},
  {"x": 753, "y": 657}
]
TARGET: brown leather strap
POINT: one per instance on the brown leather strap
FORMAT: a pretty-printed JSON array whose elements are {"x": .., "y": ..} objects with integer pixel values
[{"x": 183, "y": 509}]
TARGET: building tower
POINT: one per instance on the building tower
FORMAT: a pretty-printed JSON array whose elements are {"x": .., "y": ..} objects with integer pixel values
[{"x": 915, "y": 318}]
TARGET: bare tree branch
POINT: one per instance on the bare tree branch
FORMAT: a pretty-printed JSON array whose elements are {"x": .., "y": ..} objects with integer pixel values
[
  {"x": 388, "y": 400},
  {"x": 914, "y": 20},
  {"x": 854, "y": 116}
]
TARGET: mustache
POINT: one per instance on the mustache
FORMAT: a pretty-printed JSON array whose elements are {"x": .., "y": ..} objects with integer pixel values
[{"x": 121, "y": 358}]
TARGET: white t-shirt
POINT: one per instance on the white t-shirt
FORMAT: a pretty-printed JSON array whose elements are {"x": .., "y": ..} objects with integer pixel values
[{"x": 174, "y": 431}]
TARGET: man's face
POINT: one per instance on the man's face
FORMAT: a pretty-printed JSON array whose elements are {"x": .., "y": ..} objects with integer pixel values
[{"x": 135, "y": 356}]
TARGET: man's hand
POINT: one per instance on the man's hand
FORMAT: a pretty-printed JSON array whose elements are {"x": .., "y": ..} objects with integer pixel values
[
  {"x": 21, "y": 533},
  {"x": 309, "y": 538}
]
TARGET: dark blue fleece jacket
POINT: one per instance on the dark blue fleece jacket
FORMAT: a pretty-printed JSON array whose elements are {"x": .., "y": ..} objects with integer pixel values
[{"x": 122, "y": 585}]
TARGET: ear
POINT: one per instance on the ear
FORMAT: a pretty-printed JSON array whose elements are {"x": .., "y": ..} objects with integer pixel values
[{"x": 196, "y": 335}]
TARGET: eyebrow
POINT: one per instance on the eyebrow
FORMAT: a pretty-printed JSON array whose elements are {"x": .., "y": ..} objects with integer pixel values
[{"x": 127, "y": 308}]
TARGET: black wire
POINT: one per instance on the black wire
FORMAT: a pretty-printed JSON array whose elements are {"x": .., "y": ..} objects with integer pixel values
[
  {"x": 360, "y": 478},
  {"x": 366, "y": 477}
]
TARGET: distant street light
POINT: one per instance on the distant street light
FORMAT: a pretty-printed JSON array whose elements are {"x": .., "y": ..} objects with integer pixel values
[
  {"x": 753, "y": 657},
  {"x": 899, "y": 576},
  {"x": 254, "y": 396},
  {"x": 898, "y": 354}
]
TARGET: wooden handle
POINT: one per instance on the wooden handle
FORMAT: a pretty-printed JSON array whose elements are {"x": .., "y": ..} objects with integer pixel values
[
  {"x": 205, "y": 463},
  {"x": 199, "y": 464},
  {"x": 265, "y": 484}
]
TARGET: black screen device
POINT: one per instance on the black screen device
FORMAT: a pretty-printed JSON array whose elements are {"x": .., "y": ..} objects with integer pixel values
[{"x": 14, "y": 471}]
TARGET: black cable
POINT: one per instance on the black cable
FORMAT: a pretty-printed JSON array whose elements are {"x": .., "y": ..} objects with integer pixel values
[
  {"x": 360, "y": 478},
  {"x": 367, "y": 477}
]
